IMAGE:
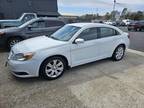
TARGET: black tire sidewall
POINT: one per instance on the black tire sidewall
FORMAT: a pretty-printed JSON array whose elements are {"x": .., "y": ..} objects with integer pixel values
[{"x": 42, "y": 72}]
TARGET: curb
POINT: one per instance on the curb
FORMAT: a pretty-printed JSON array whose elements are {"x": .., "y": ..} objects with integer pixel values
[{"x": 136, "y": 52}]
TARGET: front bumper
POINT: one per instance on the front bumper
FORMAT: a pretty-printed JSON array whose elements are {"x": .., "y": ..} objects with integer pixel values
[{"x": 24, "y": 69}]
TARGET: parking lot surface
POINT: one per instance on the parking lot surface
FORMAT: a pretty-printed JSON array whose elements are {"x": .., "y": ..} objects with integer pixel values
[{"x": 102, "y": 84}]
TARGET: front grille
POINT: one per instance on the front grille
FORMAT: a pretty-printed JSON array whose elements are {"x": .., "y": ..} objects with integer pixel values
[{"x": 21, "y": 73}]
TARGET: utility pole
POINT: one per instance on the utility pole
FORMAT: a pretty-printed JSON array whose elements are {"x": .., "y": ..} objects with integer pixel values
[
  {"x": 97, "y": 13},
  {"x": 114, "y": 5}
]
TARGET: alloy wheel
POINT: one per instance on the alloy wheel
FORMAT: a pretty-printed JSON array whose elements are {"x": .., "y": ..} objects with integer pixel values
[
  {"x": 119, "y": 53},
  {"x": 54, "y": 68}
]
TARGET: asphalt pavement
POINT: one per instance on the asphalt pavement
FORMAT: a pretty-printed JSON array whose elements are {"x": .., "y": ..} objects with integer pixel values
[{"x": 101, "y": 84}]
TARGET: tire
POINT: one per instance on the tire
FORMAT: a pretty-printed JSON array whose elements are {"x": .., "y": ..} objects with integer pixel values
[
  {"x": 119, "y": 53},
  {"x": 12, "y": 41},
  {"x": 50, "y": 71}
]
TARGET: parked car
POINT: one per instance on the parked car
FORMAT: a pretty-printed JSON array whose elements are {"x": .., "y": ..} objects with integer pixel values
[
  {"x": 97, "y": 21},
  {"x": 72, "y": 45},
  {"x": 136, "y": 26},
  {"x": 120, "y": 23},
  {"x": 17, "y": 22},
  {"x": 32, "y": 28},
  {"x": 126, "y": 22},
  {"x": 110, "y": 23}
]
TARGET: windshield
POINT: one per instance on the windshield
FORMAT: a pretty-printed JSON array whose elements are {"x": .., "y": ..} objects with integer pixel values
[
  {"x": 27, "y": 23},
  {"x": 65, "y": 33},
  {"x": 27, "y": 17}
]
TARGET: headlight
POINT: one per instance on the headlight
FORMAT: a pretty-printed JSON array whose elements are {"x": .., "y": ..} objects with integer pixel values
[{"x": 22, "y": 57}]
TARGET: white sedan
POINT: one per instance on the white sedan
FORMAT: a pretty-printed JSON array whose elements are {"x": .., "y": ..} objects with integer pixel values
[{"x": 74, "y": 44}]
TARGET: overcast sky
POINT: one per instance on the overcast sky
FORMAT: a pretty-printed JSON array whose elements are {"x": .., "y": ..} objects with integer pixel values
[{"x": 80, "y": 7}]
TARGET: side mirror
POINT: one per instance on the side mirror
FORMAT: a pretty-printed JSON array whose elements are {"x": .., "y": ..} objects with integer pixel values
[
  {"x": 79, "y": 41},
  {"x": 29, "y": 27}
]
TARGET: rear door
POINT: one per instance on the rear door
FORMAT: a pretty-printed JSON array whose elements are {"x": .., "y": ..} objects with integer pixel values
[{"x": 107, "y": 39}]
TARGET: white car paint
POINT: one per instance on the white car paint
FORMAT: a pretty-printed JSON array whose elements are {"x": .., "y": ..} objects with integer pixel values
[{"x": 76, "y": 54}]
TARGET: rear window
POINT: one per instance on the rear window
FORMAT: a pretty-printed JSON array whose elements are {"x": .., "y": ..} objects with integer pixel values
[{"x": 52, "y": 23}]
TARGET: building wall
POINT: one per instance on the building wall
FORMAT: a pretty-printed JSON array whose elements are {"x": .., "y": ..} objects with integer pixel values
[{"x": 14, "y": 8}]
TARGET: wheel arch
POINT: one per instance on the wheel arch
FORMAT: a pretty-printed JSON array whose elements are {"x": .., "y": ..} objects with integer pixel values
[
  {"x": 10, "y": 37},
  {"x": 122, "y": 44},
  {"x": 62, "y": 56}
]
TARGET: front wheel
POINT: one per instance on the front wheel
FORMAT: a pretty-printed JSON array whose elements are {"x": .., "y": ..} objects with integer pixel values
[
  {"x": 119, "y": 53},
  {"x": 12, "y": 41},
  {"x": 53, "y": 68}
]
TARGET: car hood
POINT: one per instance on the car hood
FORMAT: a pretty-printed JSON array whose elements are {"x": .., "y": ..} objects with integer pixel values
[
  {"x": 10, "y": 23},
  {"x": 7, "y": 21},
  {"x": 9, "y": 30},
  {"x": 36, "y": 44}
]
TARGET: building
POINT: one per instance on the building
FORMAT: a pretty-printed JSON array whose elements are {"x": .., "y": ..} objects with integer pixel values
[
  {"x": 14, "y": 8},
  {"x": 70, "y": 18}
]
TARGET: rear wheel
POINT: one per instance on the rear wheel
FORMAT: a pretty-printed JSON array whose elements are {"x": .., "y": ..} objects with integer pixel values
[
  {"x": 12, "y": 41},
  {"x": 119, "y": 53},
  {"x": 53, "y": 68}
]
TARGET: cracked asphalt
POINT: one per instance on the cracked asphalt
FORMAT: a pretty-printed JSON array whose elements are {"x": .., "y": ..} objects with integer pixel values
[{"x": 101, "y": 84}]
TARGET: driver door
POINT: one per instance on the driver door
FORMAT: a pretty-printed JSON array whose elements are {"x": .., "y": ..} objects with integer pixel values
[
  {"x": 88, "y": 50},
  {"x": 36, "y": 29}
]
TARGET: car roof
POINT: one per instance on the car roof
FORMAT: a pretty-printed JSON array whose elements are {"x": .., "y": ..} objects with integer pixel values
[
  {"x": 90, "y": 25},
  {"x": 41, "y": 18},
  {"x": 46, "y": 18}
]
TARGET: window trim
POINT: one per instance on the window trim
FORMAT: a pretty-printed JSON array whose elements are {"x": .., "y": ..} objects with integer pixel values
[{"x": 99, "y": 32}]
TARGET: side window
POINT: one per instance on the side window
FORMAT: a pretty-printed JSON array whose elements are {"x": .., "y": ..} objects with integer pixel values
[
  {"x": 107, "y": 32},
  {"x": 51, "y": 23},
  {"x": 89, "y": 34},
  {"x": 28, "y": 17},
  {"x": 38, "y": 24},
  {"x": 59, "y": 23}
]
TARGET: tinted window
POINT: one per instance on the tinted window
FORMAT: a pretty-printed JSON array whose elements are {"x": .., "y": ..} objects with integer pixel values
[
  {"x": 54, "y": 23},
  {"x": 28, "y": 17},
  {"x": 107, "y": 32},
  {"x": 38, "y": 24},
  {"x": 89, "y": 34}
]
